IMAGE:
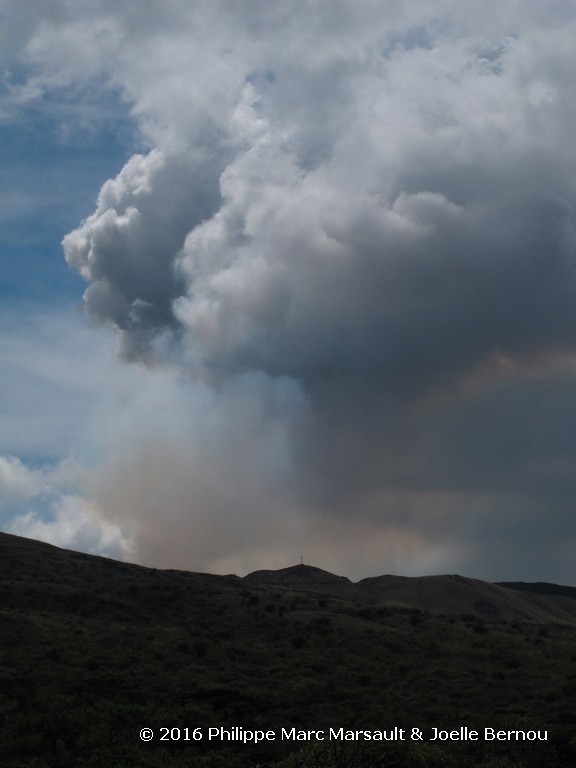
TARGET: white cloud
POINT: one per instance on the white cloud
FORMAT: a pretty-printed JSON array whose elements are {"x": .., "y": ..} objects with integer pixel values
[
  {"x": 18, "y": 482},
  {"x": 34, "y": 502},
  {"x": 74, "y": 524}
]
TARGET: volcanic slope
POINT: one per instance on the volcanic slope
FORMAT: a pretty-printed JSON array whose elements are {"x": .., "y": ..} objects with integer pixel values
[{"x": 449, "y": 594}]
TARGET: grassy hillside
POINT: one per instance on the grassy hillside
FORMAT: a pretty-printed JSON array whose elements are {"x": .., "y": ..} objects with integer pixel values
[{"x": 94, "y": 650}]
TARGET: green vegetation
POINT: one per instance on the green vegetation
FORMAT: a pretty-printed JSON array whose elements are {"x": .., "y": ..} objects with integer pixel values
[{"x": 94, "y": 650}]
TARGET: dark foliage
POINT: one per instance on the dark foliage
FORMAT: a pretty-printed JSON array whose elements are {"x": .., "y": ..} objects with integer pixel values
[{"x": 94, "y": 650}]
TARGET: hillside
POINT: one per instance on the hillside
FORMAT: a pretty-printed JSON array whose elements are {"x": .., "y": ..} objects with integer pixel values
[
  {"x": 93, "y": 650},
  {"x": 451, "y": 595}
]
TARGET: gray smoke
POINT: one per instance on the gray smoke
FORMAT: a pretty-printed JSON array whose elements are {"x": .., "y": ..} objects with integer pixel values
[{"x": 372, "y": 205}]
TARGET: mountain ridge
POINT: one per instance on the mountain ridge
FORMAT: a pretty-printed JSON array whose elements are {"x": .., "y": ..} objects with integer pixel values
[
  {"x": 442, "y": 594},
  {"x": 452, "y": 594}
]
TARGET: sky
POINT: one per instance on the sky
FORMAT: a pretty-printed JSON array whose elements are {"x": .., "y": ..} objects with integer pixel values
[{"x": 291, "y": 279}]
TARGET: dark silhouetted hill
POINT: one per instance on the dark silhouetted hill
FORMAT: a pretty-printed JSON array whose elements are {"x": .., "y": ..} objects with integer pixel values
[
  {"x": 92, "y": 650},
  {"x": 453, "y": 595}
]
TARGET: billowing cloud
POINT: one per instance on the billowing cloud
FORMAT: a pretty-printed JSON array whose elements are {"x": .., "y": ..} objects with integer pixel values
[
  {"x": 74, "y": 524},
  {"x": 351, "y": 232},
  {"x": 126, "y": 248}
]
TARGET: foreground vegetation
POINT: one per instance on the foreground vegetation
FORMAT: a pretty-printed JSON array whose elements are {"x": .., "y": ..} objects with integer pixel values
[{"x": 93, "y": 651}]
